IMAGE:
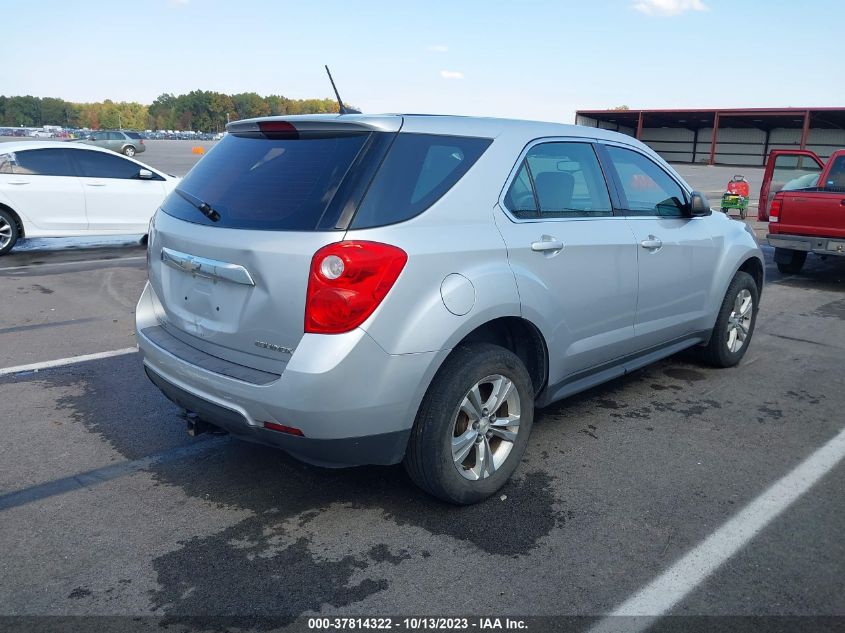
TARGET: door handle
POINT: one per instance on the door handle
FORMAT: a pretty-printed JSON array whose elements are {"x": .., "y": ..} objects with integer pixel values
[
  {"x": 18, "y": 182},
  {"x": 652, "y": 243},
  {"x": 548, "y": 245},
  {"x": 96, "y": 184}
]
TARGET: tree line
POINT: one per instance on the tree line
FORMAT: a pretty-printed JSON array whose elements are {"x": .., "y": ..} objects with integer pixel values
[{"x": 199, "y": 110}]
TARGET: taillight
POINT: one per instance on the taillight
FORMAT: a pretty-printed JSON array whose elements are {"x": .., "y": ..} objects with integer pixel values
[
  {"x": 774, "y": 210},
  {"x": 347, "y": 282}
]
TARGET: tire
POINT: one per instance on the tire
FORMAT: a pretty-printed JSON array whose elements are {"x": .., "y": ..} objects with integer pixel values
[
  {"x": 9, "y": 232},
  {"x": 790, "y": 262},
  {"x": 743, "y": 213},
  {"x": 129, "y": 151},
  {"x": 734, "y": 316},
  {"x": 442, "y": 419}
]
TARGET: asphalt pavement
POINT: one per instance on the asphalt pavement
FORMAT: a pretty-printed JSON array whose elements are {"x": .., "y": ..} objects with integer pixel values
[{"x": 108, "y": 508}]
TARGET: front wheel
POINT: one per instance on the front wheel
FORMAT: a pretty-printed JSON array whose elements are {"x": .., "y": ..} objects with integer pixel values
[
  {"x": 473, "y": 424},
  {"x": 8, "y": 232},
  {"x": 129, "y": 150},
  {"x": 731, "y": 335}
]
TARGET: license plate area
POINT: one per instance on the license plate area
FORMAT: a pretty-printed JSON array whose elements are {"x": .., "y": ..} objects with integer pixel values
[{"x": 837, "y": 246}]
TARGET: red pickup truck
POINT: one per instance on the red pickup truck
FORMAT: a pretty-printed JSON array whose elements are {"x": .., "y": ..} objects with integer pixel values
[{"x": 804, "y": 201}]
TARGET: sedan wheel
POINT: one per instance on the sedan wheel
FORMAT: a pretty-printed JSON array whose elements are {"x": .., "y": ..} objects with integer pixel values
[{"x": 8, "y": 232}]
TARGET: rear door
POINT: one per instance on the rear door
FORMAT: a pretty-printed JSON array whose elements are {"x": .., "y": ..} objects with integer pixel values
[
  {"x": 235, "y": 286},
  {"x": 42, "y": 185},
  {"x": 575, "y": 262},
  {"x": 676, "y": 254},
  {"x": 787, "y": 169},
  {"x": 116, "y": 199}
]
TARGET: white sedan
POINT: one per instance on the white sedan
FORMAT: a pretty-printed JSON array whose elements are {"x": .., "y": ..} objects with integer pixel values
[{"x": 59, "y": 189}]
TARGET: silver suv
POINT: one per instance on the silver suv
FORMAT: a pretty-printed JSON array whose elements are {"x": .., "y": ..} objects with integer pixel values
[
  {"x": 126, "y": 143},
  {"x": 374, "y": 289}
]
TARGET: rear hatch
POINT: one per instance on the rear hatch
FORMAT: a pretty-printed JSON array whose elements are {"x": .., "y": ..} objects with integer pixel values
[{"x": 232, "y": 246}]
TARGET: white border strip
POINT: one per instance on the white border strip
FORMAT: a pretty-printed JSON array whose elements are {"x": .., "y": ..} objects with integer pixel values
[
  {"x": 673, "y": 585},
  {"x": 61, "y": 362}
]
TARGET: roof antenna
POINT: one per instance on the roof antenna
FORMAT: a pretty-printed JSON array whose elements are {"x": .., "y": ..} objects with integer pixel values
[{"x": 343, "y": 108}]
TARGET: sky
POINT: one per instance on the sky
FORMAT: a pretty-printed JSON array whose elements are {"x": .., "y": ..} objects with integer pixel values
[{"x": 530, "y": 59}]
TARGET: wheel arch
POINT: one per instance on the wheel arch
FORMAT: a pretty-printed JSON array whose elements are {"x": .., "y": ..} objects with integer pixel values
[{"x": 521, "y": 337}]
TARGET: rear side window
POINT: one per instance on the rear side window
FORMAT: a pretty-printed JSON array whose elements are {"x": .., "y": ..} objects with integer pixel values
[
  {"x": 43, "y": 162},
  {"x": 260, "y": 183},
  {"x": 134, "y": 135},
  {"x": 417, "y": 171}
]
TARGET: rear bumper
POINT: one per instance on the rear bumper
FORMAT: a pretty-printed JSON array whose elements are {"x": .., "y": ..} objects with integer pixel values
[
  {"x": 384, "y": 448},
  {"x": 818, "y": 245},
  {"x": 354, "y": 402}
]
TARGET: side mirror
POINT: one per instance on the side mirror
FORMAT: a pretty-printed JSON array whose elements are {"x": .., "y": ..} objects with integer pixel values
[
  {"x": 145, "y": 174},
  {"x": 699, "y": 205}
]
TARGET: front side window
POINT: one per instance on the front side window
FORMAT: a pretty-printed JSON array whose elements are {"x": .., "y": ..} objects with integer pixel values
[
  {"x": 417, "y": 171},
  {"x": 646, "y": 188},
  {"x": 43, "y": 162},
  {"x": 95, "y": 164},
  {"x": 559, "y": 180},
  {"x": 100, "y": 136}
]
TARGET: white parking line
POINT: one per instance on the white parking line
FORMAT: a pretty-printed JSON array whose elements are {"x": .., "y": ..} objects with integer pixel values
[
  {"x": 81, "y": 261},
  {"x": 673, "y": 585},
  {"x": 61, "y": 362}
]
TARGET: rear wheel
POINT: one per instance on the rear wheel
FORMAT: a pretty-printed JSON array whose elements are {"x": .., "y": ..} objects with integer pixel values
[
  {"x": 735, "y": 324},
  {"x": 790, "y": 262},
  {"x": 129, "y": 150},
  {"x": 743, "y": 213},
  {"x": 8, "y": 231},
  {"x": 473, "y": 424}
]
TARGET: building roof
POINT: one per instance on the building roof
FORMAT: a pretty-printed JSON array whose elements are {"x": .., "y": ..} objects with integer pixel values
[{"x": 761, "y": 118}]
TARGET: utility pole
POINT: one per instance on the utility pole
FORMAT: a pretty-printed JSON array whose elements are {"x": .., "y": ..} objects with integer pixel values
[{"x": 119, "y": 122}]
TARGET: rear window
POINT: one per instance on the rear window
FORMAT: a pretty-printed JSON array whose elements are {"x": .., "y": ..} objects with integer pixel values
[
  {"x": 261, "y": 183},
  {"x": 418, "y": 170}
]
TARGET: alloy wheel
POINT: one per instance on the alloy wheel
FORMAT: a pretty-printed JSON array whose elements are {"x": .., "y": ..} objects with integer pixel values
[
  {"x": 739, "y": 321},
  {"x": 5, "y": 233},
  {"x": 485, "y": 427}
]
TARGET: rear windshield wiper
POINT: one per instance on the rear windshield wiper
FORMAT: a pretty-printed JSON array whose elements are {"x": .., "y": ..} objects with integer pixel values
[{"x": 204, "y": 207}]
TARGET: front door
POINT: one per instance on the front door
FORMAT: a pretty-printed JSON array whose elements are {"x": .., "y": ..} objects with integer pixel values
[
  {"x": 787, "y": 169},
  {"x": 677, "y": 255},
  {"x": 575, "y": 262},
  {"x": 116, "y": 198}
]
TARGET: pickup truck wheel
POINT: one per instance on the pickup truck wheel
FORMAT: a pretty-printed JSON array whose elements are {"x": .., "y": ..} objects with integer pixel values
[
  {"x": 735, "y": 324},
  {"x": 790, "y": 262},
  {"x": 473, "y": 424},
  {"x": 8, "y": 232}
]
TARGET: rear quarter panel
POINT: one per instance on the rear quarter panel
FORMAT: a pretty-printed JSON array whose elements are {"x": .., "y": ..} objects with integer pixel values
[{"x": 456, "y": 235}]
